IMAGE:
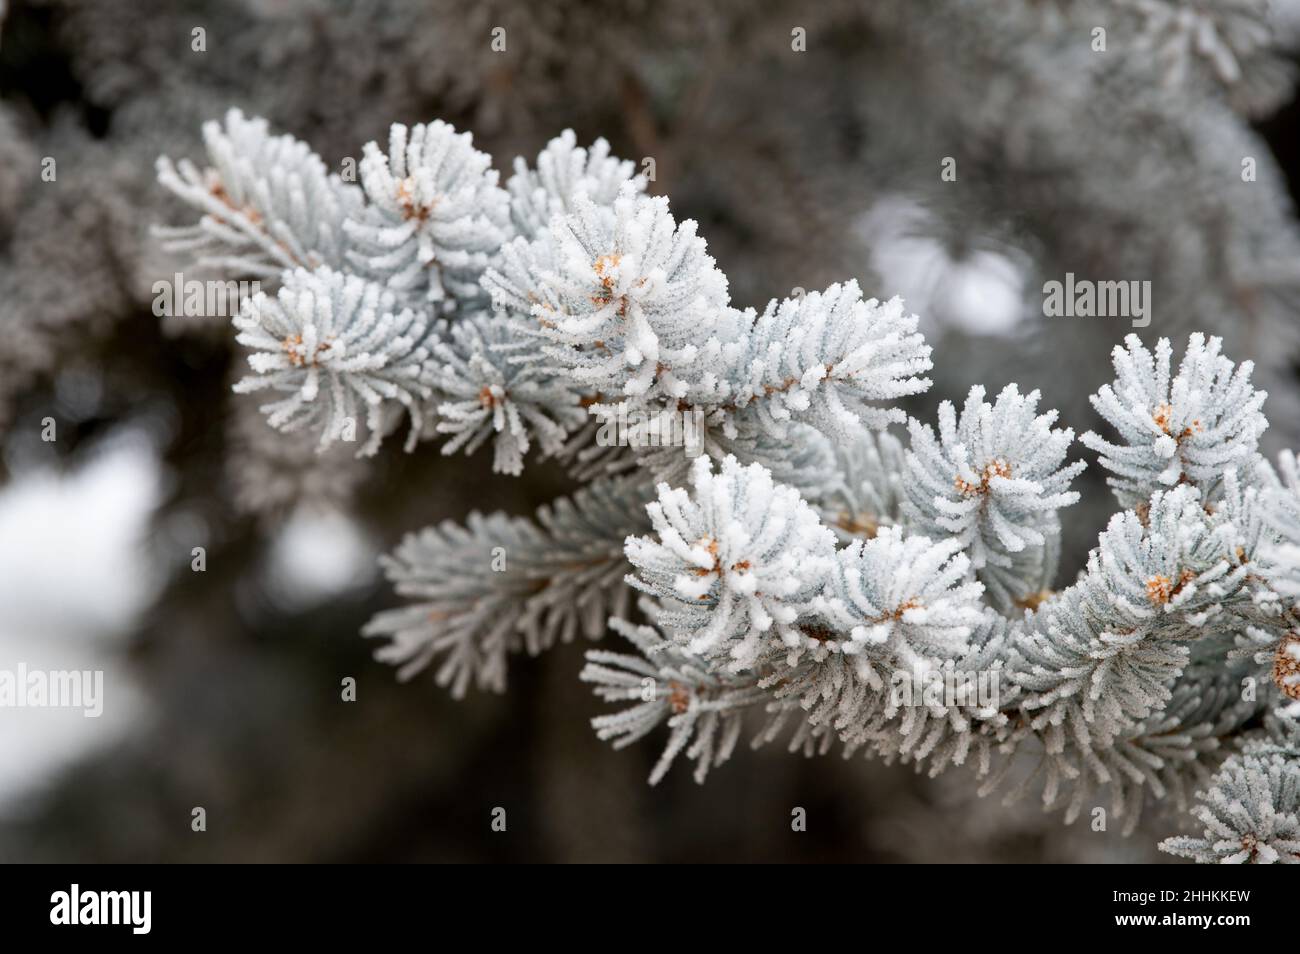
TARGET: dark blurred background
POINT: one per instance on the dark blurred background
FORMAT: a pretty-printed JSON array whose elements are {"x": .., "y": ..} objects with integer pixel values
[{"x": 802, "y": 168}]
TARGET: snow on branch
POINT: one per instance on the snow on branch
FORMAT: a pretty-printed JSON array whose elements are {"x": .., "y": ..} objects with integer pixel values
[
  {"x": 268, "y": 202},
  {"x": 500, "y": 585},
  {"x": 1179, "y": 429},
  {"x": 341, "y": 349},
  {"x": 565, "y": 171},
  {"x": 804, "y": 569},
  {"x": 994, "y": 479}
]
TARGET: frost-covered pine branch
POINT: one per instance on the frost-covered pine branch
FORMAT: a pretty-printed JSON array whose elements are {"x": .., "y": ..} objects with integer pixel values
[
  {"x": 435, "y": 214},
  {"x": 704, "y": 711},
  {"x": 1181, "y": 429},
  {"x": 630, "y": 304},
  {"x": 994, "y": 479},
  {"x": 824, "y": 359},
  {"x": 564, "y": 171},
  {"x": 1251, "y": 809},
  {"x": 869, "y": 489},
  {"x": 500, "y": 585},
  {"x": 806, "y": 573},
  {"x": 268, "y": 202},
  {"x": 342, "y": 348},
  {"x": 622, "y": 294},
  {"x": 486, "y": 391},
  {"x": 739, "y": 559}
]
